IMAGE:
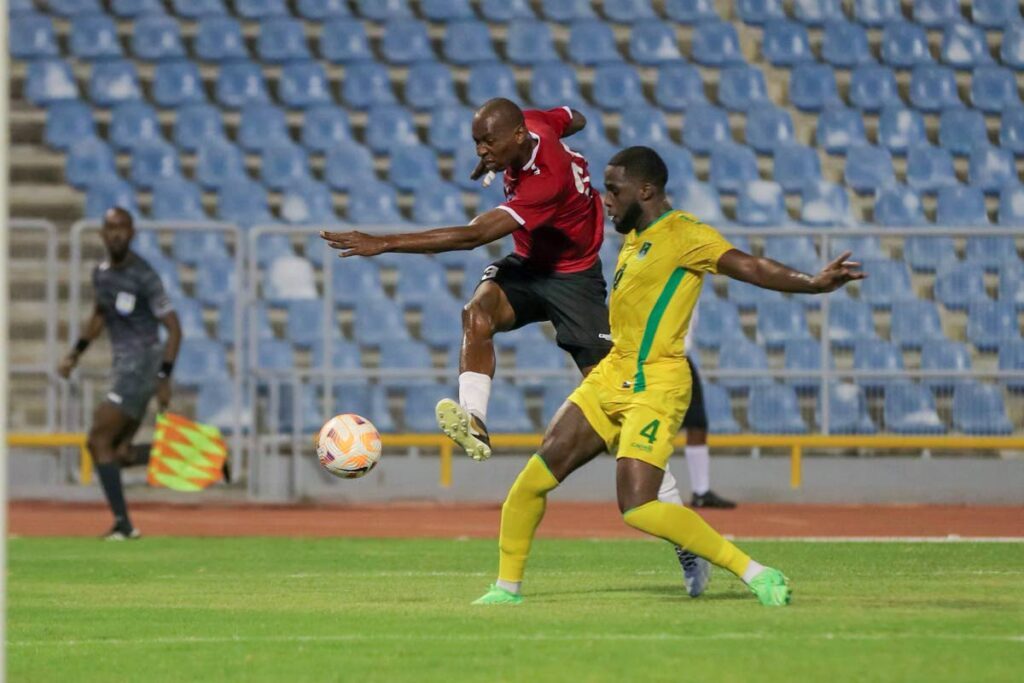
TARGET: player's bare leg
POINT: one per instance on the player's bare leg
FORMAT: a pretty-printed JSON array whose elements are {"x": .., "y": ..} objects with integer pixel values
[
  {"x": 487, "y": 313},
  {"x": 109, "y": 423}
]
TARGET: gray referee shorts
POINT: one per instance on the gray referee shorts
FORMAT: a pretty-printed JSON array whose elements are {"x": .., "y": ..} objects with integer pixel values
[{"x": 135, "y": 380}]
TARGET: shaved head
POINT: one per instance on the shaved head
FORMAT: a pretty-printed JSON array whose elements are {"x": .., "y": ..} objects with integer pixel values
[
  {"x": 117, "y": 216},
  {"x": 503, "y": 112},
  {"x": 118, "y": 230},
  {"x": 501, "y": 137}
]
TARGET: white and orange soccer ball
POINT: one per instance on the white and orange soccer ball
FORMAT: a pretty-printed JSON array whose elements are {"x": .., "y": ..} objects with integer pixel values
[{"x": 348, "y": 446}]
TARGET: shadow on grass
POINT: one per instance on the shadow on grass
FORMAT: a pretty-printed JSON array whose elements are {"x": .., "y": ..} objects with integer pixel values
[{"x": 661, "y": 592}]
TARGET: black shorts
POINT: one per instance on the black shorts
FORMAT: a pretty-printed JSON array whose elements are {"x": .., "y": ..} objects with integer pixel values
[
  {"x": 575, "y": 303},
  {"x": 696, "y": 417},
  {"x": 135, "y": 381}
]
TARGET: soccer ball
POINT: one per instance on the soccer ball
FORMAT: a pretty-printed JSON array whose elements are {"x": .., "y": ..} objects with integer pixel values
[{"x": 348, "y": 446}]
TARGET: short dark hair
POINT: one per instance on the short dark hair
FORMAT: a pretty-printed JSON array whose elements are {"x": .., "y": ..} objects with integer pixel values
[{"x": 643, "y": 164}]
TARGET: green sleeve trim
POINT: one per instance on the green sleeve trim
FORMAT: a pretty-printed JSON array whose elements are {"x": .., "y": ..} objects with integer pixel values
[{"x": 651, "y": 329}]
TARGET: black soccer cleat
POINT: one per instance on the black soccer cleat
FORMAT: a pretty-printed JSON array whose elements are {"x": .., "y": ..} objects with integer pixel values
[{"x": 710, "y": 499}]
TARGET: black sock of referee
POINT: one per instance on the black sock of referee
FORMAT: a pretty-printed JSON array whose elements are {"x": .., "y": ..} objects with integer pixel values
[{"x": 110, "y": 478}]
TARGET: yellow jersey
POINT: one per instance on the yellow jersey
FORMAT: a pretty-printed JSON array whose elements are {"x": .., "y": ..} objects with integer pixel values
[{"x": 658, "y": 279}]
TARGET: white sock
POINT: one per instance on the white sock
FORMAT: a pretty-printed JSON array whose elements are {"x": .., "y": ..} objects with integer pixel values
[
  {"x": 699, "y": 463},
  {"x": 474, "y": 392},
  {"x": 669, "y": 491},
  {"x": 515, "y": 586},
  {"x": 753, "y": 569}
]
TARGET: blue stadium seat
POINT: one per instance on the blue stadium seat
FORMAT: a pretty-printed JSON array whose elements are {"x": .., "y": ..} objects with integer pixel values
[
  {"x": 262, "y": 125},
  {"x": 748, "y": 297},
  {"x": 289, "y": 278},
  {"x": 68, "y": 122},
  {"x": 153, "y": 162},
  {"x": 757, "y": 12},
  {"x": 994, "y": 89},
  {"x": 32, "y": 37},
  {"x": 564, "y": 11},
  {"x": 679, "y": 86},
  {"x": 420, "y": 279},
  {"x": 190, "y": 315},
  {"x": 845, "y": 44},
  {"x": 796, "y": 167},
  {"x": 719, "y": 324},
  {"x": 598, "y": 156},
  {"x": 878, "y": 356},
  {"x": 94, "y": 36},
  {"x": 260, "y": 9},
  {"x": 818, "y": 12},
  {"x": 887, "y": 282},
  {"x": 812, "y": 87},
  {"x": 501, "y": 11},
  {"x": 705, "y": 127},
  {"x": 406, "y": 41},
  {"x": 933, "y": 88},
  {"x": 275, "y": 355},
  {"x": 992, "y": 253},
  {"x": 307, "y": 201},
  {"x": 862, "y": 247},
  {"x": 1011, "y": 206},
  {"x": 616, "y": 87},
  {"x": 468, "y": 42},
  {"x": 992, "y": 168},
  {"x": 868, "y": 169},
  {"x": 177, "y": 83},
  {"x": 653, "y": 42},
  {"x": 628, "y": 11},
  {"x": 132, "y": 124},
  {"x": 323, "y": 10},
  {"x": 188, "y": 246},
  {"x": 218, "y": 39},
  {"x": 824, "y": 204},
  {"x": 936, "y": 13},
  {"x": 929, "y": 254},
  {"x": 438, "y": 203},
  {"x": 243, "y": 201},
  {"x": 283, "y": 163},
  {"x": 732, "y": 166},
  {"x": 961, "y": 206},
  {"x": 798, "y": 252},
  {"x": 849, "y": 320},
  {"x": 781, "y": 321},
  {"x": 785, "y": 43},
  {"x": 740, "y": 87},
  {"x": 679, "y": 162},
  {"x": 384, "y": 323},
  {"x": 914, "y": 323},
  {"x": 761, "y": 203},
  {"x": 838, "y": 129},
  {"x": 716, "y": 44},
  {"x": 390, "y": 127},
  {"x": 216, "y": 281},
  {"x": 303, "y": 399},
  {"x": 240, "y": 83},
  {"x": 355, "y": 279},
  {"x": 964, "y": 46},
  {"x": 768, "y": 127},
  {"x": 719, "y": 410},
  {"x": 1011, "y": 285},
  {"x": 492, "y": 79},
  {"x": 437, "y": 328},
  {"x": 979, "y": 409},
  {"x": 900, "y": 128},
  {"x": 325, "y": 127},
  {"x": 905, "y": 45},
  {"x": 200, "y": 361},
  {"x": 873, "y": 87},
  {"x": 995, "y": 13},
  {"x": 700, "y": 199},
  {"x": 446, "y": 10},
  {"x": 348, "y": 165},
  {"x": 419, "y": 406},
  {"x": 405, "y": 355},
  {"x": 899, "y": 206},
  {"x": 910, "y": 409},
  {"x": 451, "y": 128},
  {"x": 773, "y": 409},
  {"x": 848, "y": 410},
  {"x": 304, "y": 84},
  {"x": 803, "y": 355},
  {"x": 197, "y": 124},
  {"x": 113, "y": 82},
  {"x": 89, "y": 161},
  {"x": 1011, "y": 131},
  {"x": 530, "y": 42},
  {"x": 214, "y": 406},
  {"x": 538, "y": 358},
  {"x": 557, "y": 391},
  {"x": 281, "y": 39},
  {"x": 366, "y": 85},
  {"x": 741, "y": 354},
  {"x": 412, "y": 166},
  {"x": 73, "y": 8},
  {"x": 344, "y": 41},
  {"x": 990, "y": 323},
  {"x": 946, "y": 356},
  {"x": 108, "y": 192},
  {"x": 374, "y": 202},
  {"x": 554, "y": 85},
  {"x": 930, "y": 169},
  {"x": 1011, "y": 357},
  {"x": 592, "y": 42},
  {"x": 961, "y": 129},
  {"x": 507, "y": 412},
  {"x": 1011, "y": 53},
  {"x": 16, "y": 7},
  {"x": 156, "y": 38},
  {"x": 643, "y": 125},
  {"x": 383, "y": 10}
]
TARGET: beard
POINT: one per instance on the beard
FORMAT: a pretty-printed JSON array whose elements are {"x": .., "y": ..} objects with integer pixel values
[{"x": 630, "y": 220}]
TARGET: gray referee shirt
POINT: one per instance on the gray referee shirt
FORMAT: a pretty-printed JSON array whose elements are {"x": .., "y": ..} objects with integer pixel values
[{"x": 131, "y": 300}]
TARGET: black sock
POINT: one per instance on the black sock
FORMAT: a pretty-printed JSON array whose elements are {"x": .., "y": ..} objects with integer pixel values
[
  {"x": 110, "y": 478},
  {"x": 140, "y": 454}
]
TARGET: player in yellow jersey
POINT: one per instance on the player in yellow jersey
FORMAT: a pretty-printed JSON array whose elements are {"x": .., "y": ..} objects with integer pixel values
[{"x": 632, "y": 403}]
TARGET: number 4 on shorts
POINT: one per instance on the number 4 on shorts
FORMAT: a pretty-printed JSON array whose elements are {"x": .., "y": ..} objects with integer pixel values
[{"x": 650, "y": 432}]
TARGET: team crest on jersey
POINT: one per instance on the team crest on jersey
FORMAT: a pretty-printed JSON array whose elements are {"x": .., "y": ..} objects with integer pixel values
[{"x": 644, "y": 248}]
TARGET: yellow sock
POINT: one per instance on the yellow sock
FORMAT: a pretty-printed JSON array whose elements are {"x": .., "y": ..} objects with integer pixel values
[
  {"x": 521, "y": 515},
  {"x": 687, "y": 529}
]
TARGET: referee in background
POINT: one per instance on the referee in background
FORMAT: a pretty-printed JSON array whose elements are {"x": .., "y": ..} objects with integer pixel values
[{"x": 131, "y": 303}]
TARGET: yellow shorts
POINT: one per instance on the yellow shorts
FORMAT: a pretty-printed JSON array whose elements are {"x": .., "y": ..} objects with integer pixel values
[{"x": 633, "y": 424}]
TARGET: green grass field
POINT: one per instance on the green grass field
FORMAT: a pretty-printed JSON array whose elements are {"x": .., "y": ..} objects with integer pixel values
[{"x": 386, "y": 610}]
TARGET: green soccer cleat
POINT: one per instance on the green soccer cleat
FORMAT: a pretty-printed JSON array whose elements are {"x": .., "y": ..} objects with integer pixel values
[
  {"x": 771, "y": 588},
  {"x": 498, "y": 596},
  {"x": 464, "y": 429}
]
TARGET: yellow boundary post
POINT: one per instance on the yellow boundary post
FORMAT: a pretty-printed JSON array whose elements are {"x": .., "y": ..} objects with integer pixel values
[{"x": 796, "y": 471}]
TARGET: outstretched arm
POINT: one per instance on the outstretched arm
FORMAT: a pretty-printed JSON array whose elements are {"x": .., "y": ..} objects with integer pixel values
[
  {"x": 485, "y": 228},
  {"x": 769, "y": 274}
]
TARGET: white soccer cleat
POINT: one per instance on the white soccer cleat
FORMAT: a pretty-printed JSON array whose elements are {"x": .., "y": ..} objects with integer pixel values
[
  {"x": 696, "y": 572},
  {"x": 463, "y": 428}
]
